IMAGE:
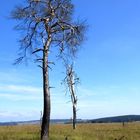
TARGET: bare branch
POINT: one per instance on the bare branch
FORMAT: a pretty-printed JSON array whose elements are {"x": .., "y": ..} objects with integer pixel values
[
  {"x": 18, "y": 60},
  {"x": 40, "y": 66},
  {"x": 37, "y": 50},
  {"x": 51, "y": 63}
]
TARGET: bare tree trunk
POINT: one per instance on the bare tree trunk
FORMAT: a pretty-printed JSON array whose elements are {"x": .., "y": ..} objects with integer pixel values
[
  {"x": 46, "y": 93},
  {"x": 74, "y": 102},
  {"x": 74, "y": 116}
]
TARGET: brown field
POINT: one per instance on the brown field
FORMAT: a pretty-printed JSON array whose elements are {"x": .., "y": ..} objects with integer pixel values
[{"x": 112, "y": 131}]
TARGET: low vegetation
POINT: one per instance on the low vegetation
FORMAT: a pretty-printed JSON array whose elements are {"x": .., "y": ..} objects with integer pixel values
[{"x": 110, "y": 131}]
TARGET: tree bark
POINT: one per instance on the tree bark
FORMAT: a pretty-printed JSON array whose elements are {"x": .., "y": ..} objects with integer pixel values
[
  {"x": 46, "y": 93},
  {"x": 74, "y": 102},
  {"x": 74, "y": 116}
]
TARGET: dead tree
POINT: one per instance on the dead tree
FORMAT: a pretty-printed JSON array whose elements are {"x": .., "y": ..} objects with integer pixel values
[
  {"x": 71, "y": 80},
  {"x": 47, "y": 25}
]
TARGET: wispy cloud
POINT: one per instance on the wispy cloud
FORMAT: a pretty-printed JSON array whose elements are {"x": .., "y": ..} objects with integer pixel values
[
  {"x": 20, "y": 93},
  {"x": 20, "y": 97},
  {"x": 20, "y": 88},
  {"x": 19, "y": 115},
  {"x": 9, "y": 76}
]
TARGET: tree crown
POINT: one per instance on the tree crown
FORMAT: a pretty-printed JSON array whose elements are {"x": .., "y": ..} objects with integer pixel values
[{"x": 43, "y": 18}]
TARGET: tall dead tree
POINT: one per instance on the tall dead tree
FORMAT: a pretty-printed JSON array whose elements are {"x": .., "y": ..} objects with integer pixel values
[
  {"x": 71, "y": 80},
  {"x": 46, "y": 25}
]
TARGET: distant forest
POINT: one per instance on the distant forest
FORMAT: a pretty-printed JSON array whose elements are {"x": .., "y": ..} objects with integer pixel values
[{"x": 126, "y": 118}]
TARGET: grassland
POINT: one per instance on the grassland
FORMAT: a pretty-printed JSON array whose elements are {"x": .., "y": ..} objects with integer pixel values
[{"x": 130, "y": 131}]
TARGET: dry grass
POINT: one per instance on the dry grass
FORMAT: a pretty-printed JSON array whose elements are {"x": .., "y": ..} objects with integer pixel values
[{"x": 130, "y": 131}]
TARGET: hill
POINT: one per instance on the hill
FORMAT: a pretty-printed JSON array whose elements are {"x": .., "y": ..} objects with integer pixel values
[{"x": 125, "y": 118}]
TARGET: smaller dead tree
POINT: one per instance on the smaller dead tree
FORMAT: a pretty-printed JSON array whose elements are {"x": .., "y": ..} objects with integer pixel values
[{"x": 72, "y": 80}]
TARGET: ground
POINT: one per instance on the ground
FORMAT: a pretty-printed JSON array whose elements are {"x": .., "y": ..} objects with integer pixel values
[{"x": 109, "y": 131}]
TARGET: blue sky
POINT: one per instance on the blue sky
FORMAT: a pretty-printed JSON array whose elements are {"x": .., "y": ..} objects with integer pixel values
[{"x": 108, "y": 65}]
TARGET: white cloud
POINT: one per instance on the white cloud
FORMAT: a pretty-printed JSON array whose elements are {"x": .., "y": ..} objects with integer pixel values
[
  {"x": 20, "y": 93},
  {"x": 94, "y": 102},
  {"x": 20, "y": 97},
  {"x": 19, "y": 89},
  {"x": 19, "y": 115},
  {"x": 7, "y": 114}
]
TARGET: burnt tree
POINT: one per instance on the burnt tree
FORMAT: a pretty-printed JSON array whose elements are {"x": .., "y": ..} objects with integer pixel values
[{"x": 46, "y": 25}]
